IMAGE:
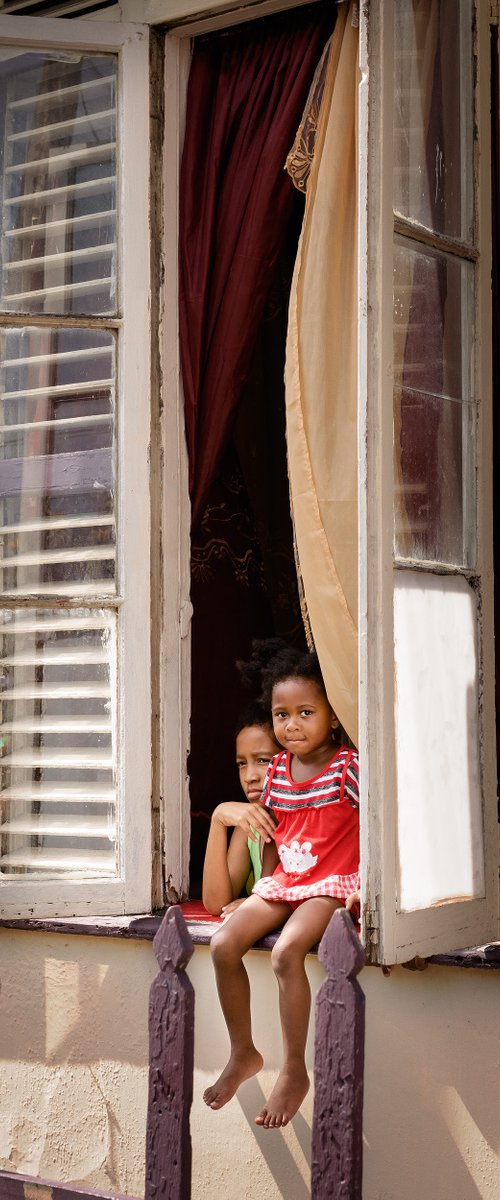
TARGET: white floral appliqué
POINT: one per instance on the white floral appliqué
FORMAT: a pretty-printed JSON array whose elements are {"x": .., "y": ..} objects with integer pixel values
[{"x": 297, "y": 858}]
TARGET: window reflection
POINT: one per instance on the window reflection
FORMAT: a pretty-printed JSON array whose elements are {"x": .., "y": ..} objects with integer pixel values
[
  {"x": 56, "y": 452},
  {"x": 433, "y": 412},
  {"x": 57, "y": 765},
  {"x": 434, "y": 115},
  {"x": 59, "y": 186}
]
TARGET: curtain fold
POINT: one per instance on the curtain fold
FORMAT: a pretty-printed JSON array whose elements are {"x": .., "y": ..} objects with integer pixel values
[
  {"x": 246, "y": 92},
  {"x": 321, "y": 381}
]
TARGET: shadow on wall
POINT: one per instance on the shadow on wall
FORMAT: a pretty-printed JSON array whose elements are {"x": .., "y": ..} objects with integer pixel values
[
  {"x": 74, "y": 1044},
  {"x": 432, "y": 1086},
  {"x": 80, "y": 1000},
  {"x": 275, "y": 1151}
]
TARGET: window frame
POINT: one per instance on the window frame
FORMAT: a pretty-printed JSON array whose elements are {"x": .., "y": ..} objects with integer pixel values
[
  {"x": 131, "y": 890},
  {"x": 393, "y": 936}
]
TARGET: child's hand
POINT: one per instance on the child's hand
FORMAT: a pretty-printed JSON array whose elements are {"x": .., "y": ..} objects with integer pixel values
[
  {"x": 256, "y": 821},
  {"x": 228, "y": 909},
  {"x": 353, "y": 905}
]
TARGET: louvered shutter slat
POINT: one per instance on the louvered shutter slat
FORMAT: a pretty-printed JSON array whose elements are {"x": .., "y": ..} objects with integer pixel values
[
  {"x": 72, "y": 126},
  {"x": 68, "y": 225},
  {"x": 50, "y": 623},
  {"x": 96, "y": 862},
  {"x": 82, "y": 554},
  {"x": 98, "y": 827},
  {"x": 62, "y": 691},
  {"x": 64, "y": 93},
  {"x": 57, "y": 725},
  {"x": 69, "y": 590},
  {"x": 78, "y": 759},
  {"x": 64, "y": 256},
  {"x": 63, "y": 289},
  {"x": 60, "y": 389},
  {"x": 57, "y": 523},
  {"x": 53, "y": 356},
  {"x": 62, "y": 423},
  {"x": 49, "y": 658},
  {"x": 66, "y": 158},
  {"x": 61, "y": 795},
  {"x": 69, "y": 191}
]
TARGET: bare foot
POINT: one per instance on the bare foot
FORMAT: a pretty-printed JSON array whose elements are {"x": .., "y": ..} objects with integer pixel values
[
  {"x": 286, "y": 1097},
  {"x": 238, "y": 1069}
]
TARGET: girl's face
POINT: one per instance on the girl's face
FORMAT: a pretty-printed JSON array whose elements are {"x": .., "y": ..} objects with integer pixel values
[
  {"x": 255, "y": 747},
  {"x": 303, "y": 719}
]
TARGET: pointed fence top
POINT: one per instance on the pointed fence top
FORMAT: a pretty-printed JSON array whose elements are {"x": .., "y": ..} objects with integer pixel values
[
  {"x": 173, "y": 944},
  {"x": 340, "y": 949}
]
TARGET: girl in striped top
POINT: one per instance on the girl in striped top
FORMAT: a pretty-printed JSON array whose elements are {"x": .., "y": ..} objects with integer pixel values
[
  {"x": 227, "y": 872},
  {"x": 310, "y": 868}
]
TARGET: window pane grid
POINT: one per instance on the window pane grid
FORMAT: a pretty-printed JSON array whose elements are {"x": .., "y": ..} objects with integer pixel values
[
  {"x": 57, "y": 800},
  {"x": 58, "y": 685},
  {"x": 59, "y": 186},
  {"x": 434, "y": 409},
  {"x": 56, "y": 448},
  {"x": 434, "y": 268}
]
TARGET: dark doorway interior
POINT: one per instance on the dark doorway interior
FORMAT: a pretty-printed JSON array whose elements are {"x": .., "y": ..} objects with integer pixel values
[
  {"x": 239, "y": 229},
  {"x": 244, "y": 582}
]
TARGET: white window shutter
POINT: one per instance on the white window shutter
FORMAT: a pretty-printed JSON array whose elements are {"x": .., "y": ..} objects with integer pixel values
[
  {"x": 75, "y": 752},
  {"x": 427, "y": 740}
]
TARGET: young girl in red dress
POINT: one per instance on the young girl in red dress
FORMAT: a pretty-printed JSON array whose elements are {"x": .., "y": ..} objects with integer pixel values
[{"x": 310, "y": 868}]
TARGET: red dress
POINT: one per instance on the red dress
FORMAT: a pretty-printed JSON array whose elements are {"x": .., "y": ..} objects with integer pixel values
[{"x": 317, "y": 835}]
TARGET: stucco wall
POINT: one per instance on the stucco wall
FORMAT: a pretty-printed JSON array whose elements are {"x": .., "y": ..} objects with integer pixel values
[{"x": 73, "y": 1081}]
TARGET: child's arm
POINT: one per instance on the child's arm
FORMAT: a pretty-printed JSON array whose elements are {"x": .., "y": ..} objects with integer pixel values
[
  {"x": 270, "y": 858},
  {"x": 225, "y": 872},
  {"x": 220, "y": 885}
]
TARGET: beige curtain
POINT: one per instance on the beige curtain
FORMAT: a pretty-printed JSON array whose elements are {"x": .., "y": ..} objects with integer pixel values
[{"x": 321, "y": 381}]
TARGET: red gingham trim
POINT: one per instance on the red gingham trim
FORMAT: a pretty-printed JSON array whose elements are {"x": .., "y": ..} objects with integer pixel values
[{"x": 340, "y": 886}]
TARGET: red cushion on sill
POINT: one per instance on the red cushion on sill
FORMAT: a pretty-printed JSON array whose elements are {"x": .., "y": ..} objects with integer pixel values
[{"x": 194, "y": 910}]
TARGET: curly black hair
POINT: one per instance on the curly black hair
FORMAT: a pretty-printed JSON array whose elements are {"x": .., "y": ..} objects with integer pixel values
[
  {"x": 263, "y": 652},
  {"x": 272, "y": 661},
  {"x": 290, "y": 664},
  {"x": 255, "y": 713}
]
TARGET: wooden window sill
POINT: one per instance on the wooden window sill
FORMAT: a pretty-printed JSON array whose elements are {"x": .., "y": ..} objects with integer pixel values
[{"x": 144, "y": 927}]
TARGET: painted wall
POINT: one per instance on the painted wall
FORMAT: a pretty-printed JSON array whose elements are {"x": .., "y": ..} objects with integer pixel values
[{"x": 73, "y": 1076}]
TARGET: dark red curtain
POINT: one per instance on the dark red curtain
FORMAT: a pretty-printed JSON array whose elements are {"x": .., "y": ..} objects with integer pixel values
[{"x": 246, "y": 94}]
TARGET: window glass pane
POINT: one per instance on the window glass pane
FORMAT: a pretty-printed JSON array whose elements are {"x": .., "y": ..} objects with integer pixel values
[
  {"x": 57, "y": 765},
  {"x": 56, "y": 462},
  {"x": 434, "y": 112},
  {"x": 440, "y": 828},
  {"x": 58, "y": 147},
  {"x": 433, "y": 409}
]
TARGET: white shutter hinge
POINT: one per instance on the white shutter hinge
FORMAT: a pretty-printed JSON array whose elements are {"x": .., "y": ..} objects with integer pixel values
[
  {"x": 371, "y": 932},
  {"x": 185, "y": 615},
  {"x": 372, "y": 926},
  {"x": 494, "y": 12}
]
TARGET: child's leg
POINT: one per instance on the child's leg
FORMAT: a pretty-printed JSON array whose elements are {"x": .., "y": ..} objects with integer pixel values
[
  {"x": 251, "y": 921},
  {"x": 304, "y": 928}
]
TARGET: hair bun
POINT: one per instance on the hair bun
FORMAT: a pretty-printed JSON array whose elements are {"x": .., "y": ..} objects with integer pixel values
[{"x": 264, "y": 651}]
